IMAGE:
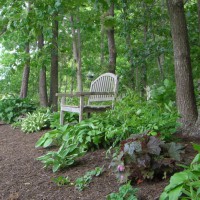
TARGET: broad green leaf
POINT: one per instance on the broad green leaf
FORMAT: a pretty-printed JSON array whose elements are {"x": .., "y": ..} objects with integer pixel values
[
  {"x": 47, "y": 142},
  {"x": 175, "y": 193}
]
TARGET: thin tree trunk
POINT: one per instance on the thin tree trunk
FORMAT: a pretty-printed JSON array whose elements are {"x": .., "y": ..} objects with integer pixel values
[
  {"x": 111, "y": 43},
  {"x": 25, "y": 77},
  {"x": 53, "y": 100},
  {"x": 198, "y": 6},
  {"x": 77, "y": 53},
  {"x": 42, "y": 80},
  {"x": 102, "y": 57},
  {"x": 185, "y": 97},
  {"x": 26, "y": 72},
  {"x": 128, "y": 44},
  {"x": 144, "y": 67}
]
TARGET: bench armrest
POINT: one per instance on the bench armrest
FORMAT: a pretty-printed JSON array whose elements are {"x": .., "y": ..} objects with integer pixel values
[{"x": 78, "y": 94}]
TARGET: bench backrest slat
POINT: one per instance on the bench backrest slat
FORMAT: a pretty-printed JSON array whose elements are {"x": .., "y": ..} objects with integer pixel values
[{"x": 107, "y": 82}]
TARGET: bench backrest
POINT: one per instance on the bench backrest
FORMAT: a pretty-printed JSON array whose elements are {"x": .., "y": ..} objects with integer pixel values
[{"x": 107, "y": 82}]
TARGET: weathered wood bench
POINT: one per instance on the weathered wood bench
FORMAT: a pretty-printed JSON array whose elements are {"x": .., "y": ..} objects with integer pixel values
[{"x": 103, "y": 89}]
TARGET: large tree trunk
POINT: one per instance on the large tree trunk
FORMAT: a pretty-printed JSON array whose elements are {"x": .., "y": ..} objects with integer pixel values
[
  {"x": 42, "y": 81},
  {"x": 185, "y": 97},
  {"x": 111, "y": 43},
  {"x": 53, "y": 100},
  {"x": 25, "y": 77}
]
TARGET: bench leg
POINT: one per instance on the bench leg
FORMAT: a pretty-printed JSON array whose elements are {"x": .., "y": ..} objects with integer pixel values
[
  {"x": 61, "y": 117},
  {"x": 88, "y": 115}
]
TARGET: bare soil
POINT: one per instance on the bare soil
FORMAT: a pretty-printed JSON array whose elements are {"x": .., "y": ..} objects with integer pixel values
[{"x": 22, "y": 177}]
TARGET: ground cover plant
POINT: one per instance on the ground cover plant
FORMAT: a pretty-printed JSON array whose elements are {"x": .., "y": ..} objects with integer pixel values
[
  {"x": 107, "y": 130},
  {"x": 126, "y": 192},
  {"x": 36, "y": 121},
  {"x": 144, "y": 156},
  {"x": 11, "y": 108},
  {"x": 185, "y": 184}
]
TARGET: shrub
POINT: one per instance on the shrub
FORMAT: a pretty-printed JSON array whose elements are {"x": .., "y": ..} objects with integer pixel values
[
  {"x": 35, "y": 121},
  {"x": 69, "y": 117},
  {"x": 64, "y": 157},
  {"x": 185, "y": 184},
  {"x": 11, "y": 108},
  {"x": 145, "y": 157}
]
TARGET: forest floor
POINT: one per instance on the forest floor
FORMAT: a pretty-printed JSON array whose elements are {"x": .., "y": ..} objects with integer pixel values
[{"x": 22, "y": 177}]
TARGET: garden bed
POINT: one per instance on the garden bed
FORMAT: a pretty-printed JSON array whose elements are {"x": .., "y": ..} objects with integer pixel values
[{"x": 22, "y": 177}]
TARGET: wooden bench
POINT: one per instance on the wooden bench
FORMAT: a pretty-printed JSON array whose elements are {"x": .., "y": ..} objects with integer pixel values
[{"x": 103, "y": 89}]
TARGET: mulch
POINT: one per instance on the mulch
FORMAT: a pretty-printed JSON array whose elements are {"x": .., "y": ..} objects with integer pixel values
[{"x": 22, "y": 177}]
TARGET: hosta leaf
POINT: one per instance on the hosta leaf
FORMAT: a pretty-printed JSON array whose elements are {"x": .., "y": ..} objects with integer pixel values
[
  {"x": 56, "y": 166},
  {"x": 177, "y": 179},
  {"x": 175, "y": 193},
  {"x": 47, "y": 142}
]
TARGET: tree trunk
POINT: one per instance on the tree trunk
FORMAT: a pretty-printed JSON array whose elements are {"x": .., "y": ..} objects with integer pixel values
[
  {"x": 111, "y": 43},
  {"x": 144, "y": 67},
  {"x": 26, "y": 72},
  {"x": 128, "y": 43},
  {"x": 53, "y": 100},
  {"x": 25, "y": 77},
  {"x": 185, "y": 97},
  {"x": 198, "y": 5},
  {"x": 77, "y": 53},
  {"x": 42, "y": 81}
]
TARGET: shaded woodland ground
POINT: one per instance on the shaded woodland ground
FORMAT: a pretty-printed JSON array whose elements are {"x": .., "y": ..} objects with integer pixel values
[{"x": 22, "y": 177}]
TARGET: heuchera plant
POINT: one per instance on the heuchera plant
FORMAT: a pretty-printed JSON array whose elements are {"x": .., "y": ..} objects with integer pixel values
[{"x": 145, "y": 157}]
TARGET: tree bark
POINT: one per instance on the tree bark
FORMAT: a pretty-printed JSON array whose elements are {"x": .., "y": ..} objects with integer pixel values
[
  {"x": 42, "y": 81},
  {"x": 144, "y": 67},
  {"x": 198, "y": 6},
  {"x": 128, "y": 44},
  {"x": 25, "y": 77},
  {"x": 111, "y": 43},
  {"x": 53, "y": 100},
  {"x": 77, "y": 53},
  {"x": 185, "y": 97},
  {"x": 26, "y": 72}
]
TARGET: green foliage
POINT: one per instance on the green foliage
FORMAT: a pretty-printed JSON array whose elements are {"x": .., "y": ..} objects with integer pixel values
[
  {"x": 35, "y": 121},
  {"x": 83, "y": 182},
  {"x": 64, "y": 157},
  {"x": 11, "y": 108},
  {"x": 68, "y": 117},
  {"x": 186, "y": 184},
  {"x": 126, "y": 192},
  {"x": 145, "y": 157},
  {"x": 53, "y": 137},
  {"x": 60, "y": 181},
  {"x": 138, "y": 116},
  {"x": 164, "y": 93}
]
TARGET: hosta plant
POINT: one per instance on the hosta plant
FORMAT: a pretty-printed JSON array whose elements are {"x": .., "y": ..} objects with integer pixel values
[
  {"x": 35, "y": 121},
  {"x": 52, "y": 137},
  {"x": 145, "y": 157},
  {"x": 64, "y": 157},
  {"x": 186, "y": 184},
  {"x": 13, "y": 107}
]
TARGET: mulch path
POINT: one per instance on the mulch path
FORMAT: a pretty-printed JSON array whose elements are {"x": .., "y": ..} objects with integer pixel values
[{"x": 22, "y": 177}]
